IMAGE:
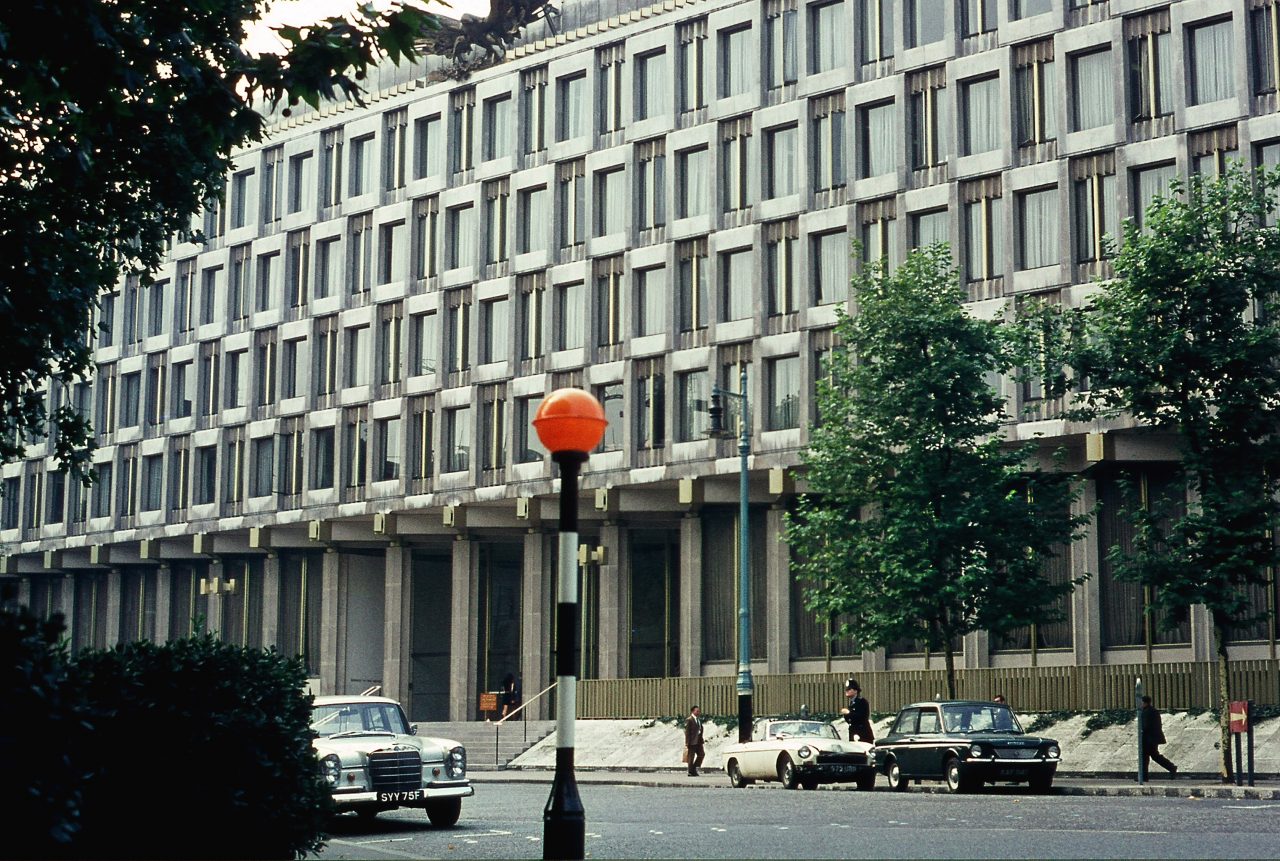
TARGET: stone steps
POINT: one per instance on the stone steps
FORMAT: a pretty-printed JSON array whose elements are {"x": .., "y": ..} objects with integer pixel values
[{"x": 488, "y": 745}]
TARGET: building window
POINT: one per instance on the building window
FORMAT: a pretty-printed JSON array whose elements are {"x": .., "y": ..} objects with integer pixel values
[
  {"x": 390, "y": 324},
  {"x": 693, "y": 390},
  {"x": 237, "y": 377},
  {"x": 495, "y": 330},
  {"x": 462, "y": 105},
  {"x": 101, "y": 495},
  {"x": 875, "y": 27},
  {"x": 183, "y": 384},
  {"x": 132, "y": 310},
  {"x": 608, "y": 276},
  {"x": 107, "y": 319},
  {"x": 458, "y": 348},
  {"x": 691, "y": 256},
  {"x": 651, "y": 308},
  {"x": 779, "y": 265},
  {"x": 457, "y": 439},
  {"x": 1265, "y": 32},
  {"x": 1037, "y": 227},
  {"x": 359, "y": 253},
  {"x": 206, "y": 474},
  {"x": 330, "y": 167},
  {"x": 1151, "y": 64},
  {"x": 571, "y": 185},
  {"x": 209, "y": 291},
  {"x": 737, "y": 282},
  {"x": 609, "y": 90},
  {"x": 783, "y": 376},
  {"x": 395, "y": 127},
  {"x": 262, "y": 476},
  {"x": 978, "y": 16},
  {"x": 297, "y": 266},
  {"x": 825, "y": 28},
  {"x": 1035, "y": 93},
  {"x": 610, "y": 201},
  {"x": 184, "y": 296},
  {"x": 426, "y": 237},
  {"x": 289, "y": 462},
  {"x": 692, "y": 36},
  {"x": 130, "y": 399},
  {"x": 693, "y": 185},
  {"x": 155, "y": 307},
  {"x": 651, "y": 405},
  {"x": 428, "y": 147},
  {"x": 528, "y": 447},
  {"x": 325, "y": 349},
  {"x": 930, "y": 130},
  {"x": 233, "y": 465},
  {"x": 532, "y": 292},
  {"x": 571, "y": 107},
  {"x": 983, "y": 229},
  {"x": 1091, "y": 97},
  {"x": 387, "y": 441},
  {"x": 651, "y": 184},
  {"x": 653, "y": 85},
  {"x": 1211, "y": 149},
  {"x": 1212, "y": 66},
  {"x": 779, "y": 43},
  {"x": 826, "y": 122},
  {"x": 266, "y": 281},
  {"x": 328, "y": 263},
  {"x": 930, "y": 228},
  {"x": 571, "y": 316},
  {"x": 1093, "y": 184},
  {"x": 425, "y": 346},
  {"x": 735, "y": 61},
  {"x": 735, "y": 164},
  {"x": 240, "y": 198},
  {"x": 493, "y": 428},
  {"x": 878, "y": 236},
  {"x": 272, "y": 185},
  {"x": 533, "y": 110},
  {"x": 421, "y": 439},
  {"x": 360, "y": 179},
  {"x": 830, "y": 259},
  {"x": 535, "y": 220},
  {"x": 301, "y": 181},
  {"x": 264, "y": 368},
  {"x": 496, "y": 195},
  {"x": 1148, "y": 184},
  {"x": 924, "y": 24},
  {"x": 1027, "y": 8},
  {"x": 460, "y": 223},
  {"x": 322, "y": 458},
  {"x": 391, "y": 256},
  {"x": 612, "y": 399},
  {"x": 982, "y": 123},
  {"x": 179, "y": 475},
  {"x": 291, "y": 368},
  {"x": 355, "y": 449},
  {"x": 497, "y": 127},
  {"x": 782, "y": 161}
]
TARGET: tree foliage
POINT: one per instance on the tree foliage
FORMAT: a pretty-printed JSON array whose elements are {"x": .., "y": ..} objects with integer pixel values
[
  {"x": 117, "y": 121},
  {"x": 920, "y": 520}
]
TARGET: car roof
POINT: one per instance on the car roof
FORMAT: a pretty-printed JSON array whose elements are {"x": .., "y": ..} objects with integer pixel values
[
  {"x": 955, "y": 703},
  {"x": 351, "y": 699}
]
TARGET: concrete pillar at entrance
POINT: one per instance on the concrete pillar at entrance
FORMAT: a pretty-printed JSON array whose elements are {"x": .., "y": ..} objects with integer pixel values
[
  {"x": 462, "y": 646},
  {"x": 977, "y": 650},
  {"x": 874, "y": 660},
  {"x": 777, "y": 594},
  {"x": 535, "y": 628},
  {"x": 1086, "y": 633},
  {"x": 691, "y": 595},
  {"x": 113, "y": 597},
  {"x": 271, "y": 600},
  {"x": 615, "y": 599},
  {"x": 164, "y": 602},
  {"x": 66, "y": 603},
  {"x": 24, "y": 592},
  {"x": 396, "y": 621},
  {"x": 330, "y": 613}
]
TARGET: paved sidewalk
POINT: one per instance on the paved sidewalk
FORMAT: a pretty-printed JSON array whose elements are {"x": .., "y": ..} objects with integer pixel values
[{"x": 1185, "y": 786}]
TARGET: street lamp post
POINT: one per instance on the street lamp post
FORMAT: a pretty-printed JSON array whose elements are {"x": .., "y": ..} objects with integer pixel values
[
  {"x": 746, "y": 686},
  {"x": 570, "y": 423}
]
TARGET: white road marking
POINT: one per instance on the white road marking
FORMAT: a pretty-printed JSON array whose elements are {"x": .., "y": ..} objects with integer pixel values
[
  {"x": 368, "y": 845},
  {"x": 1249, "y": 806},
  {"x": 720, "y": 830},
  {"x": 651, "y": 831}
]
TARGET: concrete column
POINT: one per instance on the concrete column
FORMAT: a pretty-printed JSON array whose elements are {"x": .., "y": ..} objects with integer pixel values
[
  {"x": 875, "y": 659},
  {"x": 977, "y": 650},
  {"x": 271, "y": 600},
  {"x": 24, "y": 591},
  {"x": 164, "y": 602},
  {"x": 111, "y": 606},
  {"x": 331, "y": 614},
  {"x": 217, "y": 571},
  {"x": 777, "y": 594},
  {"x": 1086, "y": 555},
  {"x": 462, "y": 646},
  {"x": 615, "y": 603},
  {"x": 535, "y": 622},
  {"x": 691, "y": 595},
  {"x": 66, "y": 602},
  {"x": 397, "y": 624}
]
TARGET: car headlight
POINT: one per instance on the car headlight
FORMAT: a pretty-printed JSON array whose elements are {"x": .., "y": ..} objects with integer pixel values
[
  {"x": 975, "y": 750},
  {"x": 805, "y": 752},
  {"x": 331, "y": 769},
  {"x": 455, "y": 764},
  {"x": 1053, "y": 751}
]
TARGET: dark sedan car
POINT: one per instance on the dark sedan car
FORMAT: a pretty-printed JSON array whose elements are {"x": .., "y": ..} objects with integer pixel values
[{"x": 966, "y": 744}]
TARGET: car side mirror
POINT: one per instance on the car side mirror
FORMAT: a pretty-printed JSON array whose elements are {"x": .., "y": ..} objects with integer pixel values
[{"x": 413, "y": 729}]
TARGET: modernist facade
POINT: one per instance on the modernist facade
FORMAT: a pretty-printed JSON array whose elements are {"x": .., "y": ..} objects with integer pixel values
[{"x": 313, "y": 428}]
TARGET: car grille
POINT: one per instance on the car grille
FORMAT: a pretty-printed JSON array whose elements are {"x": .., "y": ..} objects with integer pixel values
[
  {"x": 1016, "y": 752},
  {"x": 395, "y": 770},
  {"x": 832, "y": 757}
]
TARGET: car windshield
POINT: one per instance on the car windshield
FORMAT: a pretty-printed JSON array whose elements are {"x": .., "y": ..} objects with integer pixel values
[
  {"x": 980, "y": 717},
  {"x": 357, "y": 719},
  {"x": 793, "y": 728}
]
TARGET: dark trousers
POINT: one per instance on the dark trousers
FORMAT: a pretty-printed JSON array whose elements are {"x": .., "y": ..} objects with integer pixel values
[
  {"x": 1153, "y": 752},
  {"x": 696, "y": 755}
]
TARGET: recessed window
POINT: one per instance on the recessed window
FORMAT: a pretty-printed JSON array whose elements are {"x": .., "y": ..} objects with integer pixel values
[
  {"x": 1212, "y": 66},
  {"x": 1092, "y": 104},
  {"x": 1038, "y": 227}
]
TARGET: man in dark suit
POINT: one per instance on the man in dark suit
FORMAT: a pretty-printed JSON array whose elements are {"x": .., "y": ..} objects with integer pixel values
[
  {"x": 858, "y": 714},
  {"x": 693, "y": 740},
  {"x": 1152, "y": 738}
]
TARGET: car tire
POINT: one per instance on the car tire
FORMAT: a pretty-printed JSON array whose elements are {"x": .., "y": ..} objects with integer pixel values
[
  {"x": 866, "y": 781},
  {"x": 736, "y": 780},
  {"x": 955, "y": 776},
  {"x": 809, "y": 784},
  {"x": 897, "y": 781},
  {"x": 367, "y": 814},
  {"x": 444, "y": 814},
  {"x": 787, "y": 773},
  {"x": 1041, "y": 784}
]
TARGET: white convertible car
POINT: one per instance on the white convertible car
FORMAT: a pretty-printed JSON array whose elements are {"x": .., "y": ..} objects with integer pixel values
[{"x": 799, "y": 753}]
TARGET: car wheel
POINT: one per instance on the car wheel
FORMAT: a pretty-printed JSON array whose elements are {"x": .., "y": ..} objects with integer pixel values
[
  {"x": 367, "y": 814},
  {"x": 736, "y": 780},
  {"x": 956, "y": 781},
  {"x": 866, "y": 781},
  {"x": 897, "y": 782},
  {"x": 1041, "y": 783},
  {"x": 444, "y": 814},
  {"x": 787, "y": 773}
]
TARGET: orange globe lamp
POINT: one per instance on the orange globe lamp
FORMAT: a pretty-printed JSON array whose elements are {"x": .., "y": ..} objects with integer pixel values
[{"x": 570, "y": 420}]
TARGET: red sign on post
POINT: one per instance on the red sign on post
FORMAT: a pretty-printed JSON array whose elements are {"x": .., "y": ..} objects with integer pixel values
[{"x": 1238, "y": 713}]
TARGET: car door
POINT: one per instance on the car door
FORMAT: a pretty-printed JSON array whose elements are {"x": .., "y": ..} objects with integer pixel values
[
  {"x": 757, "y": 759},
  {"x": 901, "y": 740},
  {"x": 926, "y": 755}
]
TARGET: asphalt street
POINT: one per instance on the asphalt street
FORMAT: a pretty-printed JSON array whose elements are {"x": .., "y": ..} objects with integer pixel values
[{"x": 505, "y": 821}]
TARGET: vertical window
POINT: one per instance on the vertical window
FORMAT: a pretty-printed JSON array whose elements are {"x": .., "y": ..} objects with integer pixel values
[
  {"x": 1264, "y": 31},
  {"x": 1151, "y": 65},
  {"x": 132, "y": 310},
  {"x": 457, "y": 439},
  {"x": 130, "y": 399},
  {"x": 780, "y": 43},
  {"x": 209, "y": 279},
  {"x": 1212, "y": 62},
  {"x": 651, "y": 405},
  {"x": 875, "y": 28},
  {"x": 528, "y": 448},
  {"x": 779, "y": 265},
  {"x": 264, "y": 368},
  {"x": 924, "y": 23},
  {"x": 532, "y": 290},
  {"x": 495, "y": 330},
  {"x": 297, "y": 265},
  {"x": 355, "y": 448},
  {"x": 421, "y": 439},
  {"x": 206, "y": 474},
  {"x": 237, "y": 379},
  {"x": 783, "y": 376},
  {"x": 184, "y": 299},
  {"x": 325, "y": 351},
  {"x": 978, "y": 16},
  {"x": 533, "y": 110},
  {"x": 359, "y": 253},
  {"x": 651, "y": 184},
  {"x": 387, "y": 440},
  {"x": 651, "y": 308},
  {"x": 653, "y": 85},
  {"x": 426, "y": 237},
  {"x": 496, "y": 196},
  {"x": 1035, "y": 94},
  {"x": 930, "y": 228},
  {"x": 497, "y": 127},
  {"x": 106, "y": 316},
  {"x": 571, "y": 189},
  {"x": 782, "y": 161},
  {"x": 210, "y": 378},
  {"x": 571, "y": 107},
  {"x": 1148, "y": 184},
  {"x": 233, "y": 465},
  {"x": 981, "y": 115},
  {"x": 830, "y": 259},
  {"x": 610, "y": 202},
  {"x": 105, "y": 399},
  {"x": 462, "y": 105},
  {"x": 458, "y": 320},
  {"x": 322, "y": 458},
  {"x": 493, "y": 424},
  {"x": 301, "y": 181},
  {"x": 101, "y": 495},
  {"x": 826, "y": 124},
  {"x": 155, "y": 307},
  {"x": 1211, "y": 149},
  {"x": 395, "y": 127},
  {"x": 735, "y": 165},
  {"x": 180, "y": 474},
  {"x": 262, "y": 476},
  {"x": 691, "y": 257},
  {"x": 271, "y": 187},
  {"x": 390, "y": 325},
  {"x": 428, "y": 147},
  {"x": 425, "y": 347},
  {"x": 737, "y": 278},
  {"x": 879, "y": 139},
  {"x": 535, "y": 220},
  {"x": 930, "y": 131},
  {"x": 1093, "y": 188},
  {"x": 240, "y": 198},
  {"x": 1027, "y": 8},
  {"x": 330, "y": 167},
  {"x": 1091, "y": 90},
  {"x": 612, "y": 398},
  {"x": 289, "y": 463},
  {"x": 328, "y": 259},
  {"x": 291, "y": 368},
  {"x": 609, "y": 87},
  {"x": 461, "y": 227},
  {"x": 692, "y": 397},
  {"x": 878, "y": 237},
  {"x": 692, "y": 36},
  {"x": 693, "y": 184},
  {"x": 1037, "y": 228},
  {"x": 825, "y": 29},
  {"x": 608, "y": 275},
  {"x": 184, "y": 389},
  {"x": 571, "y": 316},
  {"x": 735, "y": 61},
  {"x": 983, "y": 229},
  {"x": 360, "y": 178},
  {"x": 266, "y": 272}
]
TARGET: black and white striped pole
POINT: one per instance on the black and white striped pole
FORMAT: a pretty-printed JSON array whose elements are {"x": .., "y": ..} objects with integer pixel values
[{"x": 570, "y": 423}]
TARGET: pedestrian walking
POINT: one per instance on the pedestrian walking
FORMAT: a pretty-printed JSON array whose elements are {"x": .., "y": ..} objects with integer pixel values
[
  {"x": 694, "y": 751},
  {"x": 510, "y": 699},
  {"x": 1152, "y": 738},
  {"x": 858, "y": 713}
]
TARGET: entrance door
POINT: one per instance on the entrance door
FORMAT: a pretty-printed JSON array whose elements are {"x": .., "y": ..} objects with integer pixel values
[
  {"x": 432, "y": 629},
  {"x": 498, "y": 646}
]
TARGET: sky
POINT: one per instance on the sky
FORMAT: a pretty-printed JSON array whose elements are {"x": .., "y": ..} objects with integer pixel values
[{"x": 302, "y": 12}]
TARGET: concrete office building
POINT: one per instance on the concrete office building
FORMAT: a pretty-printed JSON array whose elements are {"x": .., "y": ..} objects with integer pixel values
[{"x": 313, "y": 428}]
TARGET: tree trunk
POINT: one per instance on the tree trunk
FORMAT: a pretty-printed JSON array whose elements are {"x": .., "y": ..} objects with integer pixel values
[
  {"x": 951, "y": 671},
  {"x": 1224, "y": 701}
]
